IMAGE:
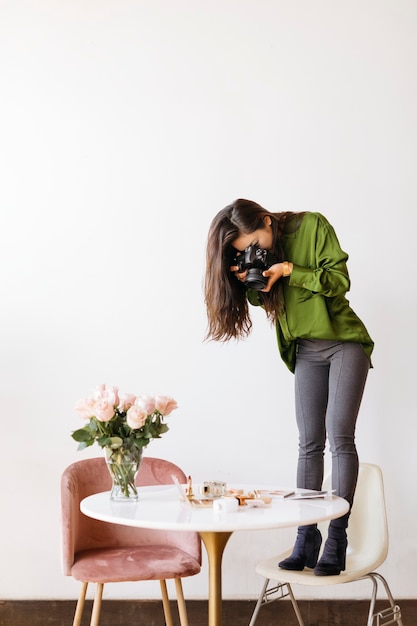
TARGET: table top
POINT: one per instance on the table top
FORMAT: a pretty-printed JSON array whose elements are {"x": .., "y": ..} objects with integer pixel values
[{"x": 160, "y": 507}]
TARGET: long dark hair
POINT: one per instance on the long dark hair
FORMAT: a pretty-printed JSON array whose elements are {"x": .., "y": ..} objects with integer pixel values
[{"x": 225, "y": 296}]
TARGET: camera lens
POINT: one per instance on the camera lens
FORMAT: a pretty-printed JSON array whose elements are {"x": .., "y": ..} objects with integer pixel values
[{"x": 255, "y": 280}]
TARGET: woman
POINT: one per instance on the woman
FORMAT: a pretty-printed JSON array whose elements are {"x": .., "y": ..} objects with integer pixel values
[{"x": 320, "y": 339}]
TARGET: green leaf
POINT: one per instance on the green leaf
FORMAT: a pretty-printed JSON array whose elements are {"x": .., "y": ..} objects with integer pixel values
[
  {"x": 85, "y": 444},
  {"x": 142, "y": 441},
  {"x": 83, "y": 434},
  {"x": 115, "y": 442},
  {"x": 104, "y": 441}
]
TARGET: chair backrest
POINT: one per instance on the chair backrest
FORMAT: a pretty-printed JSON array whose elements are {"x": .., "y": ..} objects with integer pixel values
[
  {"x": 80, "y": 532},
  {"x": 368, "y": 529}
]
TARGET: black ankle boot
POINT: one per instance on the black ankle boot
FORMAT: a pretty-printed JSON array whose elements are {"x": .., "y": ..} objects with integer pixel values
[
  {"x": 306, "y": 549},
  {"x": 333, "y": 559}
]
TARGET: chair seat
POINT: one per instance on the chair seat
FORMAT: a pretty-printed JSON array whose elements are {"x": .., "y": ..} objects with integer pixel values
[
  {"x": 357, "y": 565},
  {"x": 148, "y": 562}
]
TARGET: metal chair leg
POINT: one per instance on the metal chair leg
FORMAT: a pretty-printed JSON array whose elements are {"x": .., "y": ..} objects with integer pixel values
[
  {"x": 80, "y": 605},
  {"x": 265, "y": 598},
  {"x": 295, "y": 605},
  {"x": 393, "y": 613},
  {"x": 259, "y": 603},
  {"x": 373, "y": 600}
]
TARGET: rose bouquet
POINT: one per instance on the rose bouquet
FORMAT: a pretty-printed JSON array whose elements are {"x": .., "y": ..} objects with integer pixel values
[{"x": 123, "y": 424}]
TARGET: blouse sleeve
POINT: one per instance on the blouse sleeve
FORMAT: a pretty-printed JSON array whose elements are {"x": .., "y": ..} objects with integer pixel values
[{"x": 329, "y": 277}]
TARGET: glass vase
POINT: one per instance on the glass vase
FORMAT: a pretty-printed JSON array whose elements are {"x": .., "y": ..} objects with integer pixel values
[{"x": 123, "y": 464}]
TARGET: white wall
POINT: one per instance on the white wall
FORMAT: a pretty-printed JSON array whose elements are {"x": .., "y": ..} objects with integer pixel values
[{"x": 125, "y": 126}]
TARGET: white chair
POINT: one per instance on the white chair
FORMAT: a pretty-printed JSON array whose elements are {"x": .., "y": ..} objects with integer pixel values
[{"x": 367, "y": 550}]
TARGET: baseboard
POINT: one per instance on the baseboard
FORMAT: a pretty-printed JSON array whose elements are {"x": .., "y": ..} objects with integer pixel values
[{"x": 235, "y": 613}]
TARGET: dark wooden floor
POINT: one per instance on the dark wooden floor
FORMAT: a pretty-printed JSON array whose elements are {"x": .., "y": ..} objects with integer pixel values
[{"x": 235, "y": 613}]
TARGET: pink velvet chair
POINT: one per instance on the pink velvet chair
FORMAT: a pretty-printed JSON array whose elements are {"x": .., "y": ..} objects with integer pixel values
[{"x": 100, "y": 552}]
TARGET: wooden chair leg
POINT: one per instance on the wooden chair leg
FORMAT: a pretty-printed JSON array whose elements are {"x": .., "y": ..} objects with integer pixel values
[
  {"x": 182, "y": 610},
  {"x": 165, "y": 603},
  {"x": 95, "y": 615},
  {"x": 80, "y": 605}
]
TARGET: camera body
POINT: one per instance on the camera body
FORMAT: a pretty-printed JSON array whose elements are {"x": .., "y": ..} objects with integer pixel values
[{"x": 254, "y": 260}]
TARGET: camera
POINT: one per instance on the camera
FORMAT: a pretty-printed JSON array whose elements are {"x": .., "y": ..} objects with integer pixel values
[{"x": 255, "y": 260}]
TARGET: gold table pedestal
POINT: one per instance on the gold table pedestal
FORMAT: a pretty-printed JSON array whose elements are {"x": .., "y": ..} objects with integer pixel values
[{"x": 215, "y": 543}]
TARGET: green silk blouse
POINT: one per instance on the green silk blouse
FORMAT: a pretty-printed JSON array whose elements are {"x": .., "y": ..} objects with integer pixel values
[{"x": 314, "y": 294}]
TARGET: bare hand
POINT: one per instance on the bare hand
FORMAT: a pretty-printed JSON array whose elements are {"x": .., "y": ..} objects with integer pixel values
[
  {"x": 273, "y": 273},
  {"x": 241, "y": 276}
]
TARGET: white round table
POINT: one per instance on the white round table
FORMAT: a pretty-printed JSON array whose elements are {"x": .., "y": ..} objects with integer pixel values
[{"x": 160, "y": 508}]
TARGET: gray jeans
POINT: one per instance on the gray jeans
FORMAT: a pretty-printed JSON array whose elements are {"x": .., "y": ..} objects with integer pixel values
[{"x": 330, "y": 378}]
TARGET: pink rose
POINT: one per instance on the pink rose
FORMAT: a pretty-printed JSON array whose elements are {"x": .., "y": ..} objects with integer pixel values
[
  {"x": 105, "y": 401},
  {"x": 147, "y": 403},
  {"x": 136, "y": 417},
  {"x": 109, "y": 394},
  {"x": 85, "y": 408},
  {"x": 126, "y": 401},
  {"x": 103, "y": 410},
  {"x": 165, "y": 404}
]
